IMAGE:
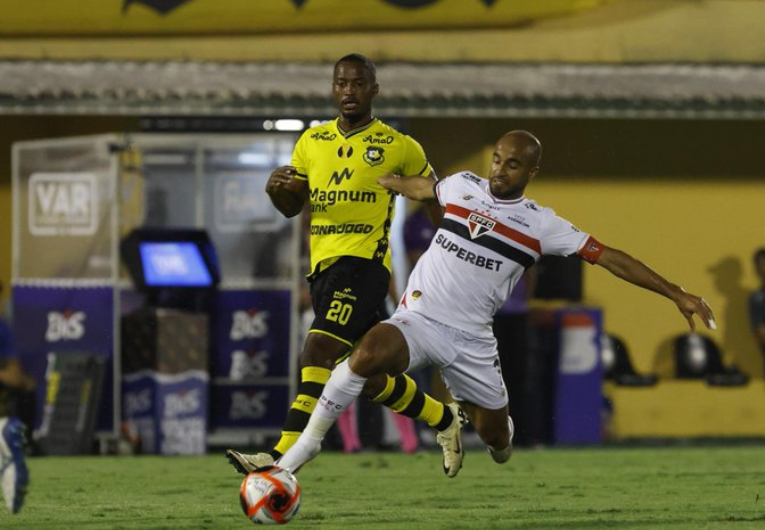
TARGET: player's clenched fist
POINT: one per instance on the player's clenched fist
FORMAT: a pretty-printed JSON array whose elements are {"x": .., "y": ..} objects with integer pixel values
[
  {"x": 287, "y": 192},
  {"x": 280, "y": 179}
]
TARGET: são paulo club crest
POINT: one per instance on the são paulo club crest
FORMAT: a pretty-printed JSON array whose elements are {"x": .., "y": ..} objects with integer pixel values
[{"x": 479, "y": 225}]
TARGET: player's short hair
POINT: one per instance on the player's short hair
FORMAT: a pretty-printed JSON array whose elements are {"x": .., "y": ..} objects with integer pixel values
[
  {"x": 758, "y": 255},
  {"x": 365, "y": 61}
]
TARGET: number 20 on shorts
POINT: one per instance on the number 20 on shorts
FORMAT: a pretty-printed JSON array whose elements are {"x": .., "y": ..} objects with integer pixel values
[{"x": 339, "y": 312}]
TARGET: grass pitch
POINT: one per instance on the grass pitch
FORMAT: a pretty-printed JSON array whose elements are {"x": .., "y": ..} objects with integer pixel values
[{"x": 694, "y": 488}]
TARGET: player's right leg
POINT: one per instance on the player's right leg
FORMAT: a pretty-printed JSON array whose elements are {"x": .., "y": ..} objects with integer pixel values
[
  {"x": 383, "y": 350},
  {"x": 342, "y": 389},
  {"x": 13, "y": 469},
  {"x": 319, "y": 356},
  {"x": 345, "y": 299}
]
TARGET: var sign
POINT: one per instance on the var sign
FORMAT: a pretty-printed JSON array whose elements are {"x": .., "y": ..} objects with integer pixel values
[{"x": 63, "y": 204}]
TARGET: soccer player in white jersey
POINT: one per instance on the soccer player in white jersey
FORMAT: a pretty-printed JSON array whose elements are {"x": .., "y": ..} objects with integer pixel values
[{"x": 490, "y": 234}]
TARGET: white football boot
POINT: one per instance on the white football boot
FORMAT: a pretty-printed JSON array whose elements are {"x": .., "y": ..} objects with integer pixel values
[
  {"x": 245, "y": 464},
  {"x": 450, "y": 440}
]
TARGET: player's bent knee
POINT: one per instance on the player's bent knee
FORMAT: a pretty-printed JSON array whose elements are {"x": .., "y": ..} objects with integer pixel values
[{"x": 365, "y": 362}]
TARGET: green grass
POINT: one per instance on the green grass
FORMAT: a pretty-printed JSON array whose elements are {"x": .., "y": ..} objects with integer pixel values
[{"x": 693, "y": 488}]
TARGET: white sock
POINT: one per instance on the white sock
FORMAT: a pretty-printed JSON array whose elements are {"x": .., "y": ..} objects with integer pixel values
[{"x": 341, "y": 390}]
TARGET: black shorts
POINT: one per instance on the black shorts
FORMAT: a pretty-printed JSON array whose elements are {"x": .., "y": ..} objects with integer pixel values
[{"x": 349, "y": 298}]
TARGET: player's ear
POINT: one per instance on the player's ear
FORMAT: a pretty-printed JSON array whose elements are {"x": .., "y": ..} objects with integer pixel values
[
  {"x": 534, "y": 172},
  {"x": 375, "y": 89}
]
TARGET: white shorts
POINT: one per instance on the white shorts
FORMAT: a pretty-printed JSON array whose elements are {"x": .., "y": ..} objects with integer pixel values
[{"x": 469, "y": 363}]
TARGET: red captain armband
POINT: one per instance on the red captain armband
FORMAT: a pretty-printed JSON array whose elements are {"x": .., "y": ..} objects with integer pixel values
[{"x": 591, "y": 250}]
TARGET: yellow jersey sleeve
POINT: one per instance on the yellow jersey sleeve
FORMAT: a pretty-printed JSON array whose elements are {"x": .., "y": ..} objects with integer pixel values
[
  {"x": 414, "y": 162},
  {"x": 299, "y": 158}
]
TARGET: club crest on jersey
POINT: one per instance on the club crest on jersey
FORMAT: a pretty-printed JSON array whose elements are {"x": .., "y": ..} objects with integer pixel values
[
  {"x": 374, "y": 156},
  {"x": 479, "y": 225}
]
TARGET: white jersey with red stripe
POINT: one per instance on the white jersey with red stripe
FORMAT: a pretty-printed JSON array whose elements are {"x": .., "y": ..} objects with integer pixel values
[{"x": 481, "y": 249}]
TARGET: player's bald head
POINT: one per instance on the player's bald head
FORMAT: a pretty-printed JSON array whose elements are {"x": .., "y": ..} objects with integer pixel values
[{"x": 527, "y": 142}]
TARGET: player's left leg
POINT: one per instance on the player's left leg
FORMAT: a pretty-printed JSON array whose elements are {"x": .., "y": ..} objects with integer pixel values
[
  {"x": 474, "y": 377},
  {"x": 494, "y": 427}
]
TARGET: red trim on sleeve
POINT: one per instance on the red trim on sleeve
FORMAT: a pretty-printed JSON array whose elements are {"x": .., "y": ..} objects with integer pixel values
[{"x": 591, "y": 250}]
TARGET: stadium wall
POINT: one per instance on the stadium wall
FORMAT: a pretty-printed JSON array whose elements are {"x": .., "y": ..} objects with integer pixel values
[{"x": 615, "y": 32}]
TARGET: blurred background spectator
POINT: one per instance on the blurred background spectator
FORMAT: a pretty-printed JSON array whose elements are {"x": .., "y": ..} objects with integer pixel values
[{"x": 17, "y": 389}]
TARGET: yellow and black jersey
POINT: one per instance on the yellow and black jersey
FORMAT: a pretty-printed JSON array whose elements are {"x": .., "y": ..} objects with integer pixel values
[{"x": 351, "y": 213}]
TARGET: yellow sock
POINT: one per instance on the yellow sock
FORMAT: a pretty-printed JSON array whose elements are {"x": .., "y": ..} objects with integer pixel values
[
  {"x": 312, "y": 382},
  {"x": 402, "y": 395}
]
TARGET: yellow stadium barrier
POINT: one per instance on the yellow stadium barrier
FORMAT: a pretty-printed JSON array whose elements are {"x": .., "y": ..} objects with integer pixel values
[
  {"x": 239, "y": 17},
  {"x": 687, "y": 409}
]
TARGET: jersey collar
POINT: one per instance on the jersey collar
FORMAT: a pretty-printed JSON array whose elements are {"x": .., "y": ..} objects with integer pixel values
[
  {"x": 503, "y": 201},
  {"x": 352, "y": 132}
]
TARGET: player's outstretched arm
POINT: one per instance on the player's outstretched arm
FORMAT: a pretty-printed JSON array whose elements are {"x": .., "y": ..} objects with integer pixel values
[
  {"x": 416, "y": 188},
  {"x": 286, "y": 192},
  {"x": 626, "y": 267},
  {"x": 434, "y": 209}
]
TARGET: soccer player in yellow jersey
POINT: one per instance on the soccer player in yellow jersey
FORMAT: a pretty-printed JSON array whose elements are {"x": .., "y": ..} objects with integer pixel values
[{"x": 336, "y": 167}]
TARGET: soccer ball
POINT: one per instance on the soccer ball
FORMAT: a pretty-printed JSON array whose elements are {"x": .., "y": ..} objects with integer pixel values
[{"x": 270, "y": 495}]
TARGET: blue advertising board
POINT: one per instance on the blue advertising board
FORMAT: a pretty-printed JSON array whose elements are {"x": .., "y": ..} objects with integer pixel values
[
  {"x": 167, "y": 412},
  {"x": 51, "y": 319},
  {"x": 578, "y": 395},
  {"x": 251, "y": 358}
]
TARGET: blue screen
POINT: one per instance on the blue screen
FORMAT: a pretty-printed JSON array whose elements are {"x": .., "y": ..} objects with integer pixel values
[{"x": 175, "y": 264}]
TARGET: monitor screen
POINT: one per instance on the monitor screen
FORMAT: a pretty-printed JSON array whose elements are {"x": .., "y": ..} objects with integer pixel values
[{"x": 174, "y": 264}]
